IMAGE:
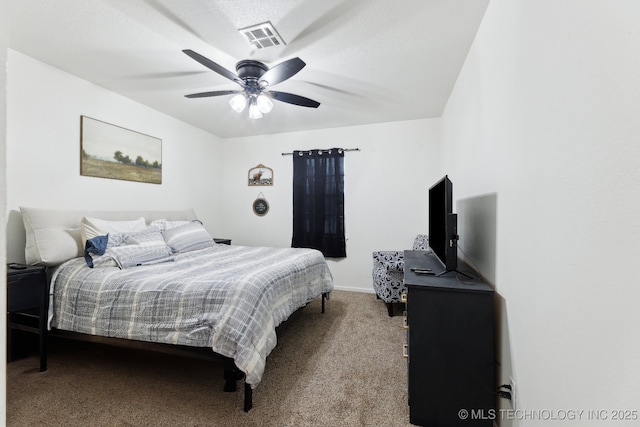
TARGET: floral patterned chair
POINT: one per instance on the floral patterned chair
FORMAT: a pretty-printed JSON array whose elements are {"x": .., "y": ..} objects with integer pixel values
[{"x": 388, "y": 272}]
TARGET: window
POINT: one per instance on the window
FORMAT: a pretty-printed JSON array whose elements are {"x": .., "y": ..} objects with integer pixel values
[{"x": 318, "y": 201}]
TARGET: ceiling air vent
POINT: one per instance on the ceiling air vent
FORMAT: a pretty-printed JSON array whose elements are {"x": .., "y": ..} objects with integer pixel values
[{"x": 262, "y": 35}]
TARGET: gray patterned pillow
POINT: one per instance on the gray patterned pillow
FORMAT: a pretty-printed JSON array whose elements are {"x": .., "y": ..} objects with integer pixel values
[
  {"x": 189, "y": 237},
  {"x": 144, "y": 248}
]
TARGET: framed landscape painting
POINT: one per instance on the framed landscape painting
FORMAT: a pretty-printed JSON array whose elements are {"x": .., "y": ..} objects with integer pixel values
[{"x": 109, "y": 151}]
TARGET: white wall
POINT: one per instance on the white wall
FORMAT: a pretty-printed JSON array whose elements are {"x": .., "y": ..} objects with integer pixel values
[
  {"x": 544, "y": 119},
  {"x": 43, "y": 148},
  {"x": 385, "y": 189}
]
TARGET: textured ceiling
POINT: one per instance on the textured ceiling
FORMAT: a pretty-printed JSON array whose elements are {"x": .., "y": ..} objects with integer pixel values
[{"x": 368, "y": 61}]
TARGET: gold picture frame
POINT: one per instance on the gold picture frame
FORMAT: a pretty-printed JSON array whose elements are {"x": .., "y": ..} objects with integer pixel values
[
  {"x": 260, "y": 175},
  {"x": 110, "y": 151}
]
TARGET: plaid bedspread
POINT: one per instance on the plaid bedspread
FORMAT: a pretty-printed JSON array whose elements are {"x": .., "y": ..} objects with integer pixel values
[{"x": 229, "y": 298}]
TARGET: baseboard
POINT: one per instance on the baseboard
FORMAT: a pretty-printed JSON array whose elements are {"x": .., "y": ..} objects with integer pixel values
[{"x": 350, "y": 289}]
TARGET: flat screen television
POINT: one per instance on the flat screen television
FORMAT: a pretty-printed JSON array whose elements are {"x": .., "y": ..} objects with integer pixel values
[{"x": 443, "y": 224}]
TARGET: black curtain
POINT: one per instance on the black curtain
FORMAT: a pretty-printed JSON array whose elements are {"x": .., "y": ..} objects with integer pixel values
[{"x": 318, "y": 201}]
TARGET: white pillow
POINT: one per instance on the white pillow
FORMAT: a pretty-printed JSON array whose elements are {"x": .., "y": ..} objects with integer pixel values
[{"x": 93, "y": 227}]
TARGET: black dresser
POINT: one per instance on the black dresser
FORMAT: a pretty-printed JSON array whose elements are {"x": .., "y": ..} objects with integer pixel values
[{"x": 450, "y": 346}]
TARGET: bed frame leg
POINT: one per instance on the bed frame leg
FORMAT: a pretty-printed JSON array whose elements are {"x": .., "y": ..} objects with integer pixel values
[
  {"x": 231, "y": 375},
  {"x": 248, "y": 397},
  {"x": 324, "y": 297}
]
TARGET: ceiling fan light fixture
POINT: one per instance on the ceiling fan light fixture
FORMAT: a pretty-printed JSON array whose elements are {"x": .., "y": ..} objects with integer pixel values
[
  {"x": 238, "y": 103},
  {"x": 264, "y": 103},
  {"x": 255, "y": 78},
  {"x": 254, "y": 109}
]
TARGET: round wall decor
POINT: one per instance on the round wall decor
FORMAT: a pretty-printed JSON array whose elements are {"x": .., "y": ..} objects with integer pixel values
[{"x": 260, "y": 206}]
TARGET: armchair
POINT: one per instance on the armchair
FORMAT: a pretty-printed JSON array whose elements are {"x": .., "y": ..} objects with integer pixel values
[{"x": 388, "y": 272}]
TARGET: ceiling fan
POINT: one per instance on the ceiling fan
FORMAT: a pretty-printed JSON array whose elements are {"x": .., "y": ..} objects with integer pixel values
[{"x": 255, "y": 78}]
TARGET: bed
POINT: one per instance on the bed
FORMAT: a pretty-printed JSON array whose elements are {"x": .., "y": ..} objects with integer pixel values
[{"x": 164, "y": 280}]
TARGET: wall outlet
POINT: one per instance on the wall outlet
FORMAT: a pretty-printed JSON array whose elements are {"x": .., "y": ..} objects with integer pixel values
[{"x": 512, "y": 383}]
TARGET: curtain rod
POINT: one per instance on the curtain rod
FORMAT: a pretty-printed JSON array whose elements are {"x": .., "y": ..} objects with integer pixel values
[{"x": 308, "y": 151}]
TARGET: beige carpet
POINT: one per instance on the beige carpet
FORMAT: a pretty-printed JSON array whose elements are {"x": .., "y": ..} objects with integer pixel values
[{"x": 340, "y": 368}]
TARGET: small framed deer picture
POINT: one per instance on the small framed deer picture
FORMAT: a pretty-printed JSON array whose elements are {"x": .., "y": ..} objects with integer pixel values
[{"x": 260, "y": 175}]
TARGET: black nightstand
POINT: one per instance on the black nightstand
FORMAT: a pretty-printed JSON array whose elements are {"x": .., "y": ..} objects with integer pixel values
[
  {"x": 27, "y": 303},
  {"x": 222, "y": 241}
]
